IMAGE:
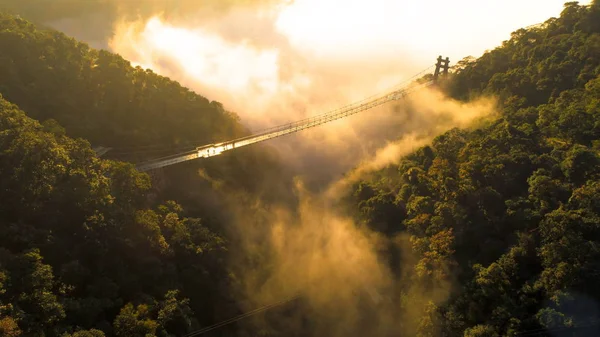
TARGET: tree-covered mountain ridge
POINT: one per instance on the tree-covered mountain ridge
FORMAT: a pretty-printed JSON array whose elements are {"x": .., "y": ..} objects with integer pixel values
[
  {"x": 509, "y": 212},
  {"x": 99, "y": 96}
]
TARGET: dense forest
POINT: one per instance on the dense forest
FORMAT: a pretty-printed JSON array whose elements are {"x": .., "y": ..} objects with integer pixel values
[
  {"x": 506, "y": 213},
  {"x": 93, "y": 244},
  {"x": 78, "y": 245},
  {"x": 509, "y": 211}
]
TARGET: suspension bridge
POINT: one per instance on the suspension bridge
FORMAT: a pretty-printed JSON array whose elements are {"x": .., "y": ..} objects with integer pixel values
[
  {"x": 441, "y": 68},
  {"x": 210, "y": 150}
]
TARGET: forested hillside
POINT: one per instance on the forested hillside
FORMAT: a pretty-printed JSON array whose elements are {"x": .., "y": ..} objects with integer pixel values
[
  {"x": 79, "y": 247},
  {"x": 509, "y": 213},
  {"x": 99, "y": 96},
  {"x": 87, "y": 243}
]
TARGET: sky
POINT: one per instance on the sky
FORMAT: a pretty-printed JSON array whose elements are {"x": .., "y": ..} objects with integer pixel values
[{"x": 456, "y": 29}]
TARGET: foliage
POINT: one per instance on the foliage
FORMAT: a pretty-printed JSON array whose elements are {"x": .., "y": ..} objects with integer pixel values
[
  {"x": 508, "y": 212},
  {"x": 81, "y": 250}
]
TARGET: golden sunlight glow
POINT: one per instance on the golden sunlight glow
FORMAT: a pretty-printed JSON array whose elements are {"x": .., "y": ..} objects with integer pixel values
[
  {"x": 457, "y": 28},
  {"x": 309, "y": 56},
  {"x": 204, "y": 56}
]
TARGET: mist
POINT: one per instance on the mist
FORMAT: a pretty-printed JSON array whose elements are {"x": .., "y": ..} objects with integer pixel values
[
  {"x": 342, "y": 269},
  {"x": 271, "y": 64},
  {"x": 243, "y": 60},
  {"x": 247, "y": 58},
  {"x": 251, "y": 58}
]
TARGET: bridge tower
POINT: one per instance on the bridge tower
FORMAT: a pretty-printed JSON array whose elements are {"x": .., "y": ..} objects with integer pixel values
[{"x": 442, "y": 66}]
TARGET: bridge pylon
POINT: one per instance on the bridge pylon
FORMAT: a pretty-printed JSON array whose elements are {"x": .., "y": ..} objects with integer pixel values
[{"x": 442, "y": 67}]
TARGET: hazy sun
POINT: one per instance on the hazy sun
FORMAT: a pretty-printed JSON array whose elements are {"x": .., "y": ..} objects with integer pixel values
[
  {"x": 201, "y": 55},
  {"x": 355, "y": 26}
]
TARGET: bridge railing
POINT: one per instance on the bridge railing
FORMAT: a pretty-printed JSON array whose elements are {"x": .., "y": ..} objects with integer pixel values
[{"x": 278, "y": 131}]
